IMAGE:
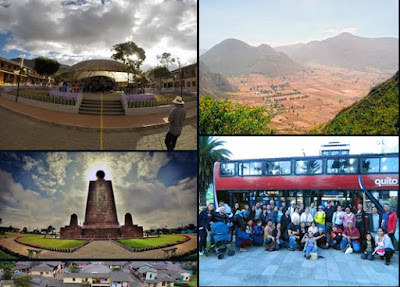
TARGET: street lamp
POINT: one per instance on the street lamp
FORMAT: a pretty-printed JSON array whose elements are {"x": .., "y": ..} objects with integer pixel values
[
  {"x": 19, "y": 75},
  {"x": 180, "y": 73}
]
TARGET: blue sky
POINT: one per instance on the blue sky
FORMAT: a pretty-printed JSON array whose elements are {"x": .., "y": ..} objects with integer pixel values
[
  {"x": 294, "y": 21},
  {"x": 75, "y": 30},
  {"x": 44, "y": 188}
]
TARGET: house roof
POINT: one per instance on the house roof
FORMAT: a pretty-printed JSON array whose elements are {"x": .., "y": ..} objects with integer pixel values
[
  {"x": 42, "y": 267},
  {"x": 161, "y": 278},
  {"x": 86, "y": 275},
  {"x": 120, "y": 276},
  {"x": 95, "y": 268}
]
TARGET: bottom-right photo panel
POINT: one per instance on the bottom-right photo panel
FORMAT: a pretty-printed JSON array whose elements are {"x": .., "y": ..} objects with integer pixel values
[{"x": 298, "y": 210}]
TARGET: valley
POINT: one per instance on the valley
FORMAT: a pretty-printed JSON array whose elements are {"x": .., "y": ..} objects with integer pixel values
[{"x": 306, "y": 99}]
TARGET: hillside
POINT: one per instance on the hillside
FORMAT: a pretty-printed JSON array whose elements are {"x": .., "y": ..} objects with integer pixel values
[
  {"x": 348, "y": 51},
  {"x": 233, "y": 57},
  {"x": 31, "y": 64},
  {"x": 213, "y": 83},
  {"x": 377, "y": 113}
]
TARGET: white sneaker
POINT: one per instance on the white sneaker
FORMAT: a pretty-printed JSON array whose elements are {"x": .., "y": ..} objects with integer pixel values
[{"x": 242, "y": 250}]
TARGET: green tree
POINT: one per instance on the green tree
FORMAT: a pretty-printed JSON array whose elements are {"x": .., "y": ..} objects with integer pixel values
[
  {"x": 166, "y": 59},
  {"x": 160, "y": 73},
  {"x": 130, "y": 54},
  {"x": 25, "y": 230},
  {"x": 210, "y": 151},
  {"x": 7, "y": 274},
  {"x": 24, "y": 281},
  {"x": 50, "y": 229},
  {"x": 45, "y": 66}
]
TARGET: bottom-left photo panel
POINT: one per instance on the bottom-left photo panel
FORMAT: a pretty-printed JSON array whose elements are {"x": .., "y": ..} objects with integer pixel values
[
  {"x": 98, "y": 206},
  {"x": 98, "y": 273}
]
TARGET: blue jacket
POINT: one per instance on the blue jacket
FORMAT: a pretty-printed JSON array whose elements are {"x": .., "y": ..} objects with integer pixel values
[
  {"x": 204, "y": 218},
  {"x": 258, "y": 235},
  {"x": 241, "y": 235}
]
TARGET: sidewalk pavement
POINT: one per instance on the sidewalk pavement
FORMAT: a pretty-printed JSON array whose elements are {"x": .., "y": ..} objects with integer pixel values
[{"x": 110, "y": 123}]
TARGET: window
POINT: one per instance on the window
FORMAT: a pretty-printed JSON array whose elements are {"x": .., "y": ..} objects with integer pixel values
[
  {"x": 348, "y": 165},
  {"x": 250, "y": 168},
  {"x": 311, "y": 166},
  {"x": 188, "y": 84},
  {"x": 194, "y": 83},
  {"x": 227, "y": 169},
  {"x": 370, "y": 165},
  {"x": 390, "y": 164},
  {"x": 73, "y": 279},
  {"x": 277, "y": 167}
]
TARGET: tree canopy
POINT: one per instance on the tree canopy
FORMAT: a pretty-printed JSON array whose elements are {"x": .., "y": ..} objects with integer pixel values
[
  {"x": 166, "y": 59},
  {"x": 160, "y": 73},
  {"x": 45, "y": 66},
  {"x": 24, "y": 281},
  {"x": 130, "y": 54}
]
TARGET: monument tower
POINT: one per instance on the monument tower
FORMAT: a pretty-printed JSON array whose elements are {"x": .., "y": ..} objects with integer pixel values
[{"x": 101, "y": 215}]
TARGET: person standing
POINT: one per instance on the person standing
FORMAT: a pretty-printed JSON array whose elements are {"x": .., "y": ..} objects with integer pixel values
[
  {"x": 347, "y": 217},
  {"x": 374, "y": 221},
  {"x": 320, "y": 218},
  {"x": 336, "y": 219},
  {"x": 389, "y": 219},
  {"x": 306, "y": 217},
  {"x": 204, "y": 224},
  {"x": 360, "y": 218},
  {"x": 313, "y": 209},
  {"x": 257, "y": 211},
  {"x": 285, "y": 220},
  {"x": 175, "y": 119},
  {"x": 329, "y": 211}
]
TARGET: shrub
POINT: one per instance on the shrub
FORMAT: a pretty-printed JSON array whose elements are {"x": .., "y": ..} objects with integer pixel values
[{"x": 225, "y": 117}]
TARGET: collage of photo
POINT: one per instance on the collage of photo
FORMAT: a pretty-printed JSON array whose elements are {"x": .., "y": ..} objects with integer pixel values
[{"x": 185, "y": 143}]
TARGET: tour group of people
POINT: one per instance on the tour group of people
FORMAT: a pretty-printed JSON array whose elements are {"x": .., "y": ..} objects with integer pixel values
[{"x": 307, "y": 229}]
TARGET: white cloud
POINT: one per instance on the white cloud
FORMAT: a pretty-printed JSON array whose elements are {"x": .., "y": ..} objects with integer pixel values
[{"x": 88, "y": 29}]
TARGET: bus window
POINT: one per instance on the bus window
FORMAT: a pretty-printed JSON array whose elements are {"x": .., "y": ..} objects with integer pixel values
[
  {"x": 277, "y": 167},
  {"x": 311, "y": 166},
  {"x": 227, "y": 169},
  {"x": 348, "y": 165},
  {"x": 389, "y": 164},
  {"x": 256, "y": 168},
  {"x": 244, "y": 168},
  {"x": 370, "y": 165}
]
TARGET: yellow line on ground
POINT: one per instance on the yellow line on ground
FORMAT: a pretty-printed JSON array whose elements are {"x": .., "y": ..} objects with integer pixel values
[{"x": 101, "y": 122}]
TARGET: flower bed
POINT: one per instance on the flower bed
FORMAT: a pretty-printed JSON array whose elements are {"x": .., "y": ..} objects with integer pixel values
[
  {"x": 58, "y": 94},
  {"x": 68, "y": 250},
  {"x": 139, "y": 97}
]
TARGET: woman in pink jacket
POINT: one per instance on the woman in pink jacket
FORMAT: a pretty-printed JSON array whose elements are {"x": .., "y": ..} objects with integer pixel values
[{"x": 348, "y": 216}]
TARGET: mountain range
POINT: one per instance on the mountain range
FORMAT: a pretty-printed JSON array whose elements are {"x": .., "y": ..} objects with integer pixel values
[
  {"x": 348, "y": 51},
  {"x": 213, "y": 83},
  {"x": 233, "y": 57}
]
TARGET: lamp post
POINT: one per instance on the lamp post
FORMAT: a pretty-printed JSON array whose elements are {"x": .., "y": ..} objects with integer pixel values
[
  {"x": 19, "y": 75},
  {"x": 180, "y": 73}
]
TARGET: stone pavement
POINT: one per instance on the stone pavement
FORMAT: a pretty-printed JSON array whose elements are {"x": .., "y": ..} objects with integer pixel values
[
  {"x": 258, "y": 267},
  {"x": 23, "y": 133},
  {"x": 99, "y": 249}
]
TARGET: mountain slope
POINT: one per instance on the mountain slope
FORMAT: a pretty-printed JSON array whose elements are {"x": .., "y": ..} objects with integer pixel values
[
  {"x": 377, "y": 113},
  {"x": 31, "y": 64},
  {"x": 233, "y": 57},
  {"x": 348, "y": 51},
  {"x": 213, "y": 83}
]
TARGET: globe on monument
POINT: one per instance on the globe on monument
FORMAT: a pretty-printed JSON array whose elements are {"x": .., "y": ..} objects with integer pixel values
[{"x": 101, "y": 220}]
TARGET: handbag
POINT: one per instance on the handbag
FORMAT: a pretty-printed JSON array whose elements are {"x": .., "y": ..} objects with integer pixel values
[{"x": 349, "y": 249}]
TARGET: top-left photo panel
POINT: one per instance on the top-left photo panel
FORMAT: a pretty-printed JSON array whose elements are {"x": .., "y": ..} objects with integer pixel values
[{"x": 98, "y": 75}]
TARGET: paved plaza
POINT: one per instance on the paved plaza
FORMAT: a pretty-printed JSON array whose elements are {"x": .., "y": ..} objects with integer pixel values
[
  {"x": 258, "y": 267},
  {"x": 99, "y": 249},
  {"x": 24, "y": 133}
]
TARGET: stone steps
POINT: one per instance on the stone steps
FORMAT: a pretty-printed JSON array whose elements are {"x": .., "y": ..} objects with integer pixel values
[{"x": 93, "y": 107}]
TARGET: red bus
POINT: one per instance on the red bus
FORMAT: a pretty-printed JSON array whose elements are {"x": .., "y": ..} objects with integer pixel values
[{"x": 341, "y": 179}]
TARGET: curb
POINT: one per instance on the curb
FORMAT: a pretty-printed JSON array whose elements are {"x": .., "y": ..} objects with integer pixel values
[{"x": 189, "y": 120}]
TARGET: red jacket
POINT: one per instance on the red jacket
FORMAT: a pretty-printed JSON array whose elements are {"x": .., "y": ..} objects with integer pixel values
[
  {"x": 339, "y": 231},
  {"x": 391, "y": 225}
]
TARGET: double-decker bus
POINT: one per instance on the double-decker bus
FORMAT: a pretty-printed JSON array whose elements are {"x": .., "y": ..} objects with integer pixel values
[{"x": 341, "y": 179}]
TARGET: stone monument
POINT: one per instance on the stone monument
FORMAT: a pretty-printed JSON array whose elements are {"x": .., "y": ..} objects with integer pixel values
[{"x": 101, "y": 215}]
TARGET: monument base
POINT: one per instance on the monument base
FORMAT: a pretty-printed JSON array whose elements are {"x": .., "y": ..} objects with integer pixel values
[
  {"x": 131, "y": 231},
  {"x": 78, "y": 232}
]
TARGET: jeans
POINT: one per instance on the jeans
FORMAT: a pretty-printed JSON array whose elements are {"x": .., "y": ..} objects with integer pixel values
[
  {"x": 203, "y": 239},
  {"x": 292, "y": 242},
  {"x": 321, "y": 225},
  {"x": 170, "y": 141},
  {"x": 355, "y": 245},
  {"x": 311, "y": 249},
  {"x": 368, "y": 256}
]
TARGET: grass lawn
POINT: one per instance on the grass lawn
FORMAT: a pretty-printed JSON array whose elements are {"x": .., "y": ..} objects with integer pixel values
[
  {"x": 51, "y": 242},
  {"x": 22, "y": 92},
  {"x": 151, "y": 241},
  {"x": 4, "y": 255},
  {"x": 172, "y": 97},
  {"x": 14, "y": 234}
]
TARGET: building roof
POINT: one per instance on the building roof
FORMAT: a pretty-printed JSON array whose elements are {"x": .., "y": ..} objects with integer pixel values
[
  {"x": 55, "y": 283},
  {"x": 120, "y": 276},
  {"x": 114, "y": 263},
  {"x": 95, "y": 268},
  {"x": 54, "y": 263},
  {"x": 97, "y": 65},
  {"x": 145, "y": 270},
  {"x": 42, "y": 267},
  {"x": 86, "y": 275},
  {"x": 185, "y": 67},
  {"x": 161, "y": 278},
  {"x": 7, "y": 282}
]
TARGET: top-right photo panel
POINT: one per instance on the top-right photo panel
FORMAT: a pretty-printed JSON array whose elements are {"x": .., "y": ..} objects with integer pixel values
[{"x": 299, "y": 67}]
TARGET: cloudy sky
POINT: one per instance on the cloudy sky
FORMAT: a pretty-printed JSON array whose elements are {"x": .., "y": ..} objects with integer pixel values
[
  {"x": 287, "y": 22},
  {"x": 75, "y": 30},
  {"x": 38, "y": 189}
]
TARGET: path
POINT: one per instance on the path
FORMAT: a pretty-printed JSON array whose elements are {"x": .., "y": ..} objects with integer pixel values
[
  {"x": 258, "y": 267},
  {"x": 98, "y": 249}
]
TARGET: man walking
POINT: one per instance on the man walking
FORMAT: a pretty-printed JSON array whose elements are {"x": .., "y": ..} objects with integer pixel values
[{"x": 175, "y": 119}]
